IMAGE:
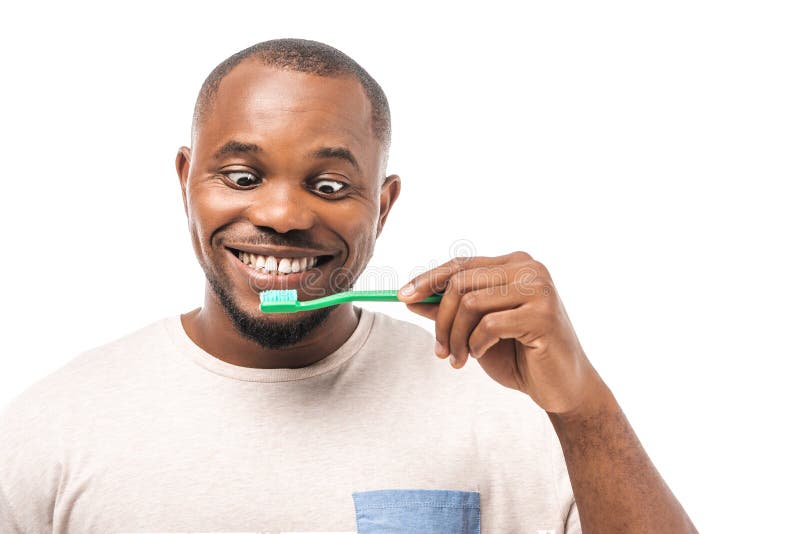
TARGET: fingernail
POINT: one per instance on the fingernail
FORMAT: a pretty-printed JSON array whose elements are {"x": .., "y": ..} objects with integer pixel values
[
  {"x": 407, "y": 290},
  {"x": 439, "y": 350},
  {"x": 453, "y": 361}
]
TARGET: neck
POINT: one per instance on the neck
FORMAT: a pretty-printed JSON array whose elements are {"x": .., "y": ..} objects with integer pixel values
[{"x": 214, "y": 332}]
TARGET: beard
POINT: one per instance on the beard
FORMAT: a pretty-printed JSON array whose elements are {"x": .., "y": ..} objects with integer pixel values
[{"x": 268, "y": 334}]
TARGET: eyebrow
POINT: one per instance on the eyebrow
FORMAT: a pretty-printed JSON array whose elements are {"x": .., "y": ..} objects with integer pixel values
[
  {"x": 236, "y": 147},
  {"x": 338, "y": 152}
]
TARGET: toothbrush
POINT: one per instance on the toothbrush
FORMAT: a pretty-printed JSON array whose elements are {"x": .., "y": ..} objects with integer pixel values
[{"x": 285, "y": 300}]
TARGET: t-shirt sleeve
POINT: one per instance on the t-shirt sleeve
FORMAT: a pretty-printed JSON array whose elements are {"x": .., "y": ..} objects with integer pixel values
[
  {"x": 29, "y": 467},
  {"x": 573, "y": 523}
]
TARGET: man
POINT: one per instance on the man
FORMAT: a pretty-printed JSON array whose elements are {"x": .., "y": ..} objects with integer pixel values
[{"x": 228, "y": 419}]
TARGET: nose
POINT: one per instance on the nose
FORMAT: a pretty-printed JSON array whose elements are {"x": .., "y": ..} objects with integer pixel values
[{"x": 282, "y": 207}]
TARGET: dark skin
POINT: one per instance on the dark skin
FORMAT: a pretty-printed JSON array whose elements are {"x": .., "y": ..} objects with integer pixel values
[
  {"x": 503, "y": 311},
  {"x": 289, "y": 116}
]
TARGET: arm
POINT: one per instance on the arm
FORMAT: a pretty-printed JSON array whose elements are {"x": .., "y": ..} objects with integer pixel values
[
  {"x": 506, "y": 313},
  {"x": 616, "y": 486}
]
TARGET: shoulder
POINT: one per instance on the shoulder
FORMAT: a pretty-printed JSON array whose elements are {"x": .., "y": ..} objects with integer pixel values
[
  {"x": 86, "y": 375},
  {"x": 40, "y": 427}
]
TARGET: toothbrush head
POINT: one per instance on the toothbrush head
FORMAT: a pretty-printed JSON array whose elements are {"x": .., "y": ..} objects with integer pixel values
[{"x": 279, "y": 300}]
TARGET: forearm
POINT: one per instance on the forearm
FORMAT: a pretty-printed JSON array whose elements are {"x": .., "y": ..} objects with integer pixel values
[{"x": 617, "y": 488}]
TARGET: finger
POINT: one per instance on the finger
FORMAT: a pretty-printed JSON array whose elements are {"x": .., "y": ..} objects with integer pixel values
[
  {"x": 424, "y": 309},
  {"x": 435, "y": 280},
  {"x": 473, "y": 306},
  {"x": 461, "y": 283},
  {"x": 504, "y": 324}
]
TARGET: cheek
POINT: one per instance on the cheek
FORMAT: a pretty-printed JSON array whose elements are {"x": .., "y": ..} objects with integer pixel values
[
  {"x": 209, "y": 209},
  {"x": 357, "y": 226}
]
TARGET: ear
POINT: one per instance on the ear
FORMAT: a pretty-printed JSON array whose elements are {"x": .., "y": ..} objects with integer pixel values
[
  {"x": 390, "y": 190},
  {"x": 182, "y": 161}
]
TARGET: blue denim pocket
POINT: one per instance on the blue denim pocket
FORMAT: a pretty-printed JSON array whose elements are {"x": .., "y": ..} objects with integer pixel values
[{"x": 420, "y": 511}]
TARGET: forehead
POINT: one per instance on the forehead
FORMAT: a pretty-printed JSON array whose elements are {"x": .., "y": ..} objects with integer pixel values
[{"x": 272, "y": 106}]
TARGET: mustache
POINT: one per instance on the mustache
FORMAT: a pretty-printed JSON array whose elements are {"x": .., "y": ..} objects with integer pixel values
[{"x": 292, "y": 238}]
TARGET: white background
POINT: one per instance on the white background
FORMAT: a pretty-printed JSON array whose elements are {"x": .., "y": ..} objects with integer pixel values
[{"x": 647, "y": 154}]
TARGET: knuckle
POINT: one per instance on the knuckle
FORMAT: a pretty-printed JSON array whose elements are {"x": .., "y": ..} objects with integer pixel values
[
  {"x": 459, "y": 263},
  {"x": 521, "y": 255},
  {"x": 490, "y": 323},
  {"x": 545, "y": 308},
  {"x": 457, "y": 284},
  {"x": 542, "y": 269},
  {"x": 471, "y": 302}
]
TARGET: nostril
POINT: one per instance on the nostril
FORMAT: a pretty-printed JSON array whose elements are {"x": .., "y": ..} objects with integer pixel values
[{"x": 281, "y": 208}]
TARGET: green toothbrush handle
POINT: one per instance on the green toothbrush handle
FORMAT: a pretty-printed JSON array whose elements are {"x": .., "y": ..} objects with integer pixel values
[{"x": 382, "y": 295}]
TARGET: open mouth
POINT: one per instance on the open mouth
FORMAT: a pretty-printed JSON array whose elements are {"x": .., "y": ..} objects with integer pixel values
[{"x": 278, "y": 265}]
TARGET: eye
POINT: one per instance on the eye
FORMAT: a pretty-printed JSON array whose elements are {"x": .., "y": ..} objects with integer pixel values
[
  {"x": 327, "y": 186},
  {"x": 242, "y": 178}
]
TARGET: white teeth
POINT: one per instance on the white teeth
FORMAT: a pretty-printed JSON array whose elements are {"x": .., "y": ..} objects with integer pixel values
[
  {"x": 285, "y": 266},
  {"x": 274, "y": 265}
]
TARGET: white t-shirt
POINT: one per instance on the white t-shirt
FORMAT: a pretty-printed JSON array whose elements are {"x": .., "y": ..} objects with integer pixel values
[{"x": 150, "y": 433}]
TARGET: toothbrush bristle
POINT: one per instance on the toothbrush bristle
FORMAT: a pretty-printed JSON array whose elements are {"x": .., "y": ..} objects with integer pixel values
[{"x": 279, "y": 295}]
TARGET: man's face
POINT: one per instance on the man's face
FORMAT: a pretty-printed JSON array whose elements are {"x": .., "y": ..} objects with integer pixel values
[{"x": 284, "y": 176}]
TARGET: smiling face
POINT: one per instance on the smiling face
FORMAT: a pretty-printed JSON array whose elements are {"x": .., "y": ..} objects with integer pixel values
[{"x": 283, "y": 189}]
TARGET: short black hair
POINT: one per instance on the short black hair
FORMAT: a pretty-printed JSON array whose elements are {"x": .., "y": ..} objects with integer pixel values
[{"x": 300, "y": 55}]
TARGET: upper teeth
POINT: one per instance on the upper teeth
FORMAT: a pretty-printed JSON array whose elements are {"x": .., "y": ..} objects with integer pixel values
[{"x": 274, "y": 265}]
